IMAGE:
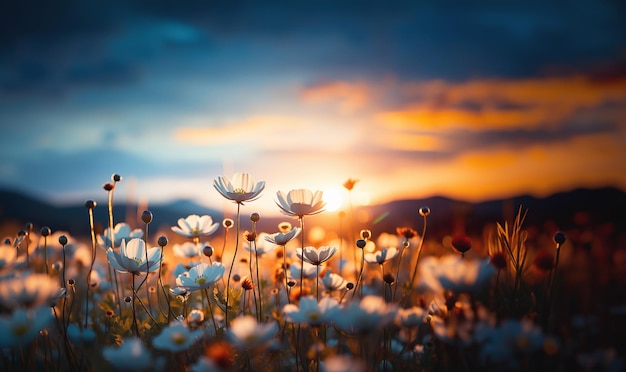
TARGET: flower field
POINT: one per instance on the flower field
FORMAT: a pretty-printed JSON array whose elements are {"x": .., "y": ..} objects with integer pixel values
[{"x": 231, "y": 297}]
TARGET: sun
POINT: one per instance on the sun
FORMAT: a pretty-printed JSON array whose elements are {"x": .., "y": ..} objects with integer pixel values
[{"x": 333, "y": 199}]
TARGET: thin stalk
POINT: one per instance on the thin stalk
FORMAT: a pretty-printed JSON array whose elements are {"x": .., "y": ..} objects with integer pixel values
[
  {"x": 419, "y": 251},
  {"x": 93, "y": 260},
  {"x": 358, "y": 281},
  {"x": 230, "y": 270},
  {"x": 405, "y": 246},
  {"x": 208, "y": 300},
  {"x": 258, "y": 279}
]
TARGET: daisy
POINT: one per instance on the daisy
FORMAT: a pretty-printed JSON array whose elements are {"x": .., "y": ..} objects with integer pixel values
[
  {"x": 381, "y": 256},
  {"x": 280, "y": 238},
  {"x": 316, "y": 256},
  {"x": 308, "y": 271},
  {"x": 245, "y": 332},
  {"x": 367, "y": 315},
  {"x": 241, "y": 189},
  {"x": 185, "y": 250},
  {"x": 22, "y": 326},
  {"x": 132, "y": 355},
  {"x": 176, "y": 337},
  {"x": 300, "y": 202},
  {"x": 310, "y": 312},
  {"x": 332, "y": 281},
  {"x": 200, "y": 276},
  {"x": 121, "y": 231},
  {"x": 456, "y": 274},
  {"x": 195, "y": 226},
  {"x": 134, "y": 259},
  {"x": 262, "y": 245},
  {"x": 30, "y": 290}
]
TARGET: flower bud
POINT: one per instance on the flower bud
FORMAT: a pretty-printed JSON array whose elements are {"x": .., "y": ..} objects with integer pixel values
[
  {"x": 162, "y": 241},
  {"x": 21, "y": 232},
  {"x": 424, "y": 211},
  {"x": 389, "y": 278},
  {"x": 116, "y": 177},
  {"x": 559, "y": 238},
  {"x": 247, "y": 284},
  {"x": 366, "y": 234},
  {"x": 108, "y": 186},
  {"x": 63, "y": 240},
  {"x": 236, "y": 278},
  {"x": 461, "y": 243},
  {"x": 45, "y": 231},
  {"x": 128, "y": 299},
  {"x": 227, "y": 223},
  {"x": 207, "y": 250},
  {"x": 90, "y": 204},
  {"x": 350, "y": 286},
  {"x": 146, "y": 216},
  {"x": 361, "y": 243},
  {"x": 255, "y": 217},
  {"x": 71, "y": 282}
]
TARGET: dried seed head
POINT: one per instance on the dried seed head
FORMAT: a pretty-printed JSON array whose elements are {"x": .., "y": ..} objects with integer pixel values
[
  {"x": 236, "y": 278},
  {"x": 255, "y": 217},
  {"x": 406, "y": 232},
  {"x": 424, "y": 211},
  {"x": 116, "y": 177},
  {"x": 63, "y": 240},
  {"x": 291, "y": 283},
  {"x": 162, "y": 241},
  {"x": 461, "y": 243},
  {"x": 227, "y": 223},
  {"x": 128, "y": 299},
  {"x": 365, "y": 234},
  {"x": 146, "y": 216},
  {"x": 21, "y": 232},
  {"x": 349, "y": 286},
  {"x": 389, "y": 278},
  {"x": 284, "y": 227},
  {"x": 247, "y": 284},
  {"x": 29, "y": 226},
  {"x": 108, "y": 186},
  {"x": 498, "y": 260},
  {"x": 90, "y": 204},
  {"x": 559, "y": 238},
  {"x": 207, "y": 251},
  {"x": 45, "y": 231},
  {"x": 361, "y": 243},
  {"x": 71, "y": 282},
  {"x": 250, "y": 236}
]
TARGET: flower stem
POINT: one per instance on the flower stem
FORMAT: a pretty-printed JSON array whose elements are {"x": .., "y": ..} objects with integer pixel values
[{"x": 230, "y": 270}]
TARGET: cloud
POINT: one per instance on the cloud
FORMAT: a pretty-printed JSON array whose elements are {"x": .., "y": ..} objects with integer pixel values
[{"x": 348, "y": 96}]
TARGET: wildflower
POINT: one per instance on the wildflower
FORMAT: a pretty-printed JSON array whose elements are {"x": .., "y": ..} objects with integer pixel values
[
  {"x": 332, "y": 281},
  {"x": 349, "y": 184},
  {"x": 502, "y": 346},
  {"x": 121, "y": 231},
  {"x": 544, "y": 261},
  {"x": 134, "y": 259},
  {"x": 8, "y": 256},
  {"x": 367, "y": 315},
  {"x": 310, "y": 312},
  {"x": 245, "y": 332},
  {"x": 262, "y": 245},
  {"x": 461, "y": 243},
  {"x": 559, "y": 238},
  {"x": 455, "y": 274},
  {"x": 308, "y": 270},
  {"x": 282, "y": 238},
  {"x": 406, "y": 232},
  {"x": 498, "y": 260},
  {"x": 194, "y": 226},
  {"x": 23, "y": 325},
  {"x": 411, "y": 317},
  {"x": 186, "y": 250},
  {"x": 176, "y": 337},
  {"x": 195, "y": 317},
  {"x": 381, "y": 256},
  {"x": 30, "y": 290},
  {"x": 85, "y": 336},
  {"x": 241, "y": 189},
  {"x": 201, "y": 276},
  {"x": 300, "y": 202},
  {"x": 132, "y": 355},
  {"x": 316, "y": 256},
  {"x": 424, "y": 211}
]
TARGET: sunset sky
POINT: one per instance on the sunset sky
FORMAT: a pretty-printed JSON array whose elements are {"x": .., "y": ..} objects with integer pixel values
[{"x": 475, "y": 102}]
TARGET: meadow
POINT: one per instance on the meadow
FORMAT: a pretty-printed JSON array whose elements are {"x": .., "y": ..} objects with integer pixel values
[{"x": 225, "y": 296}]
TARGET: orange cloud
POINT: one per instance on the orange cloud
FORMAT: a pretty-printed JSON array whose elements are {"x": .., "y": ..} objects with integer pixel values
[
  {"x": 348, "y": 96},
  {"x": 501, "y": 104}
]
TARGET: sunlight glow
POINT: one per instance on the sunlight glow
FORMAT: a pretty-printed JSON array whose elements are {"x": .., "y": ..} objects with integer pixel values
[{"x": 333, "y": 199}]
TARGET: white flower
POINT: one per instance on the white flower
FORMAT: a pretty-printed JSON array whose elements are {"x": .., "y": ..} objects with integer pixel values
[
  {"x": 316, "y": 256},
  {"x": 283, "y": 238},
  {"x": 411, "y": 317},
  {"x": 309, "y": 271},
  {"x": 332, "y": 281},
  {"x": 311, "y": 312},
  {"x": 261, "y": 244},
  {"x": 8, "y": 256},
  {"x": 455, "y": 273},
  {"x": 134, "y": 259},
  {"x": 23, "y": 326},
  {"x": 194, "y": 226},
  {"x": 176, "y": 337},
  {"x": 245, "y": 332},
  {"x": 121, "y": 231},
  {"x": 300, "y": 202},
  {"x": 186, "y": 250},
  {"x": 504, "y": 345},
  {"x": 241, "y": 189},
  {"x": 132, "y": 355},
  {"x": 381, "y": 256},
  {"x": 367, "y": 315},
  {"x": 30, "y": 290},
  {"x": 200, "y": 276}
]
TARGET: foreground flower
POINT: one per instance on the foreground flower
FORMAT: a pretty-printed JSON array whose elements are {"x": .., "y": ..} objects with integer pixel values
[
  {"x": 195, "y": 226},
  {"x": 316, "y": 256},
  {"x": 310, "y": 312},
  {"x": 241, "y": 189},
  {"x": 505, "y": 346},
  {"x": 23, "y": 326},
  {"x": 176, "y": 337},
  {"x": 300, "y": 202},
  {"x": 132, "y": 355},
  {"x": 186, "y": 250},
  {"x": 367, "y": 315},
  {"x": 456, "y": 274},
  {"x": 134, "y": 259},
  {"x": 121, "y": 231},
  {"x": 245, "y": 332},
  {"x": 30, "y": 290},
  {"x": 261, "y": 245},
  {"x": 381, "y": 256},
  {"x": 201, "y": 276},
  {"x": 333, "y": 282}
]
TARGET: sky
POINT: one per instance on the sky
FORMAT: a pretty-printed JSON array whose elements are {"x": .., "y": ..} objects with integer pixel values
[{"x": 470, "y": 100}]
